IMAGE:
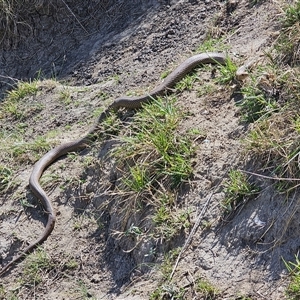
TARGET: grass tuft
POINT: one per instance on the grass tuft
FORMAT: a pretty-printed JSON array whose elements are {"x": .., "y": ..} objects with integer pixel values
[
  {"x": 154, "y": 160},
  {"x": 36, "y": 265},
  {"x": 5, "y": 178},
  {"x": 206, "y": 289},
  {"x": 293, "y": 290},
  {"x": 13, "y": 106},
  {"x": 237, "y": 190}
]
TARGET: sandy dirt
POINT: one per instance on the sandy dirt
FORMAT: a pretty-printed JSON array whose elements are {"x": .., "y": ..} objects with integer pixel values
[{"x": 105, "y": 52}]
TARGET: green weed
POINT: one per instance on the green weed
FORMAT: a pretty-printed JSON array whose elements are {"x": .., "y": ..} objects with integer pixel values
[
  {"x": 287, "y": 44},
  {"x": 168, "y": 291},
  {"x": 71, "y": 264},
  {"x": 153, "y": 136},
  {"x": 168, "y": 222},
  {"x": 166, "y": 267},
  {"x": 103, "y": 95},
  {"x": 29, "y": 151},
  {"x": 154, "y": 160},
  {"x": 275, "y": 142},
  {"x": 138, "y": 179},
  {"x": 10, "y": 295},
  {"x": 133, "y": 230},
  {"x": 291, "y": 14},
  {"x": 255, "y": 105},
  {"x": 206, "y": 289},
  {"x": 237, "y": 190},
  {"x": 206, "y": 88},
  {"x": 22, "y": 90},
  {"x": 65, "y": 96},
  {"x": 13, "y": 104},
  {"x": 211, "y": 44},
  {"x": 36, "y": 265},
  {"x": 187, "y": 82},
  {"x": 6, "y": 175},
  {"x": 259, "y": 99},
  {"x": 82, "y": 288},
  {"x": 227, "y": 72},
  {"x": 293, "y": 290}
]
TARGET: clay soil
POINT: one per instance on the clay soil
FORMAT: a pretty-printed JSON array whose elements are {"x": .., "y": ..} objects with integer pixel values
[{"x": 86, "y": 59}]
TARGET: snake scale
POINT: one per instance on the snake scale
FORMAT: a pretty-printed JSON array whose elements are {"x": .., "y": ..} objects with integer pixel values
[{"x": 126, "y": 102}]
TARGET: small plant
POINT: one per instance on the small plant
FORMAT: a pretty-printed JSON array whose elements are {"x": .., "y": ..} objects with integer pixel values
[
  {"x": 138, "y": 179},
  {"x": 168, "y": 221},
  {"x": 255, "y": 103},
  {"x": 22, "y": 90},
  {"x": 4, "y": 295},
  {"x": 71, "y": 264},
  {"x": 65, "y": 96},
  {"x": 206, "y": 289},
  {"x": 227, "y": 72},
  {"x": 153, "y": 135},
  {"x": 237, "y": 190},
  {"x": 187, "y": 82},
  {"x": 13, "y": 104},
  {"x": 133, "y": 230},
  {"x": 275, "y": 143},
  {"x": 82, "y": 288},
  {"x": 287, "y": 44},
  {"x": 292, "y": 14},
  {"x": 28, "y": 151},
  {"x": 36, "y": 265},
  {"x": 103, "y": 95},
  {"x": 5, "y": 178},
  {"x": 168, "y": 291},
  {"x": 168, "y": 262},
  {"x": 25, "y": 204},
  {"x": 206, "y": 88},
  {"x": 293, "y": 290},
  {"x": 211, "y": 45}
]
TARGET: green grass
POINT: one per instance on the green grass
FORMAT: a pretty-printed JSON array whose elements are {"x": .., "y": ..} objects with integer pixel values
[
  {"x": 293, "y": 290},
  {"x": 287, "y": 45},
  {"x": 206, "y": 289},
  {"x": 187, "y": 82},
  {"x": 84, "y": 291},
  {"x": 65, "y": 96},
  {"x": 4, "y": 295},
  {"x": 275, "y": 143},
  {"x": 211, "y": 44},
  {"x": 22, "y": 90},
  {"x": 137, "y": 180},
  {"x": 13, "y": 104},
  {"x": 167, "y": 289},
  {"x": 154, "y": 160},
  {"x": 291, "y": 14},
  {"x": 14, "y": 150},
  {"x": 259, "y": 93},
  {"x": 6, "y": 175},
  {"x": 36, "y": 265},
  {"x": 227, "y": 72},
  {"x": 168, "y": 222},
  {"x": 153, "y": 136},
  {"x": 237, "y": 190}
]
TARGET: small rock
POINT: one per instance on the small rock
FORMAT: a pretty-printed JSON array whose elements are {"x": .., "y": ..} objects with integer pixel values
[{"x": 96, "y": 278}]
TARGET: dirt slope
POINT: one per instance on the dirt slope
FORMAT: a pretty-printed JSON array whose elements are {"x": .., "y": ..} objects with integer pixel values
[{"x": 241, "y": 256}]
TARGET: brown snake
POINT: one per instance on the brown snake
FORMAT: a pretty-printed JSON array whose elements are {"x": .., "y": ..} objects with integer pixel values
[{"x": 126, "y": 102}]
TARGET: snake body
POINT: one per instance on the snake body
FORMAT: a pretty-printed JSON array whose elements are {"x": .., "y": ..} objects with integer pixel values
[{"x": 126, "y": 102}]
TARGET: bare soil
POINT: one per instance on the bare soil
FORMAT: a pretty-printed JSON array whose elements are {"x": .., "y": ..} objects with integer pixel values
[{"x": 96, "y": 54}]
